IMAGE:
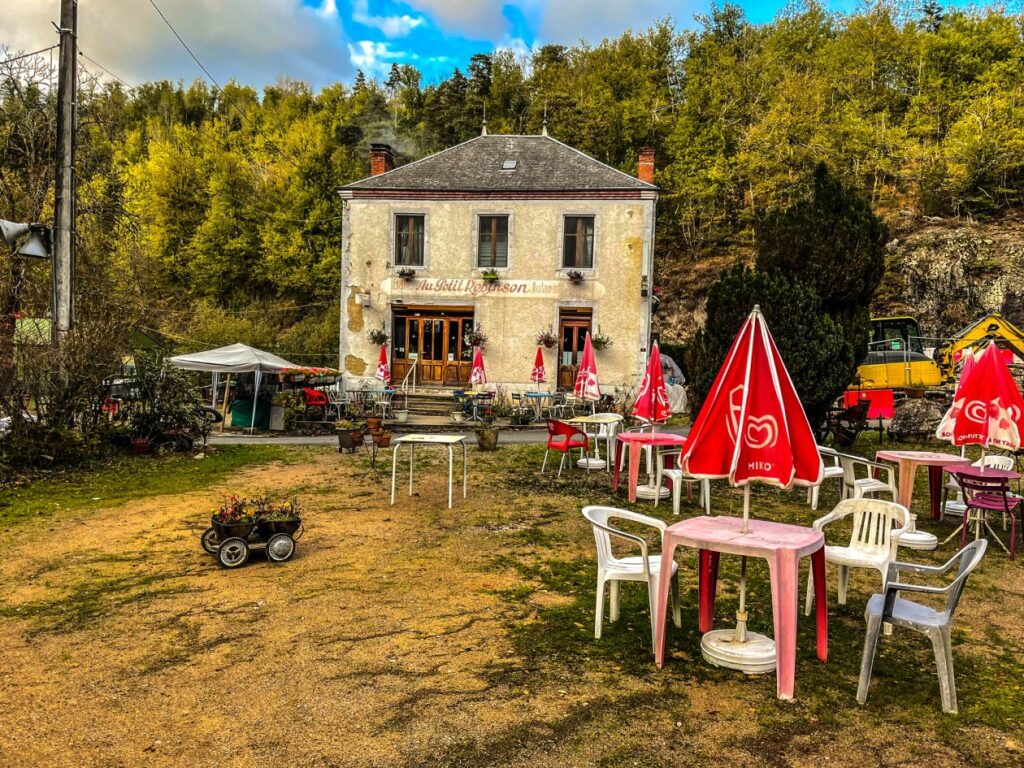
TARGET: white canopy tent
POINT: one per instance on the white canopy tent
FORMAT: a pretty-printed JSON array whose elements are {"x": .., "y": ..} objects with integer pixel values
[{"x": 236, "y": 358}]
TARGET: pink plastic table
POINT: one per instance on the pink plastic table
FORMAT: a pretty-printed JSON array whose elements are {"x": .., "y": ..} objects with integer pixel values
[
  {"x": 636, "y": 441},
  {"x": 909, "y": 461},
  {"x": 782, "y": 546}
]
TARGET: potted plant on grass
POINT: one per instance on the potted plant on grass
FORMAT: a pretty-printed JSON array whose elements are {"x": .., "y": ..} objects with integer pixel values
[
  {"x": 235, "y": 517},
  {"x": 487, "y": 435},
  {"x": 350, "y": 436},
  {"x": 547, "y": 338}
]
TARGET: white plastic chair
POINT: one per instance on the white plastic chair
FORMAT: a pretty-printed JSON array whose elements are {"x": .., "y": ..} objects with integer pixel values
[
  {"x": 608, "y": 432},
  {"x": 956, "y": 506},
  {"x": 336, "y": 401},
  {"x": 855, "y": 487},
  {"x": 678, "y": 477},
  {"x": 830, "y": 460},
  {"x": 877, "y": 526},
  {"x": 645, "y": 567}
]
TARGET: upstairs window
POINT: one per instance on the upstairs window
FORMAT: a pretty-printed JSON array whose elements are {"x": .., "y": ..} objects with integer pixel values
[
  {"x": 578, "y": 246},
  {"x": 409, "y": 240},
  {"x": 492, "y": 244}
]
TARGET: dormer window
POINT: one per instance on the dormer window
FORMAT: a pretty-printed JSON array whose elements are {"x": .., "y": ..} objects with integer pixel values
[{"x": 509, "y": 165}]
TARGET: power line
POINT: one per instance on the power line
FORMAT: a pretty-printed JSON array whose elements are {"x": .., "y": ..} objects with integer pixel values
[
  {"x": 270, "y": 142},
  {"x": 90, "y": 58},
  {"x": 212, "y": 343},
  {"x": 13, "y": 59}
]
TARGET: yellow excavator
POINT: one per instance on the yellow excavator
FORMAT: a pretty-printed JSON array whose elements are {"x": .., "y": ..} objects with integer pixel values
[{"x": 899, "y": 357}]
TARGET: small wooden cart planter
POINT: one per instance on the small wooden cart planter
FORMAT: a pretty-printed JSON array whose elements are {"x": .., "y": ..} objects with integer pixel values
[{"x": 232, "y": 545}]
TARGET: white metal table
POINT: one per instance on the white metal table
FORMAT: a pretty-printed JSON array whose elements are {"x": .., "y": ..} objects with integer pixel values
[
  {"x": 412, "y": 441},
  {"x": 600, "y": 420}
]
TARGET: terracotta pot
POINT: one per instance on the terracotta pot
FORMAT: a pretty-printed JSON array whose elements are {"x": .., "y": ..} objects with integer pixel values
[
  {"x": 373, "y": 423},
  {"x": 487, "y": 439},
  {"x": 382, "y": 439}
]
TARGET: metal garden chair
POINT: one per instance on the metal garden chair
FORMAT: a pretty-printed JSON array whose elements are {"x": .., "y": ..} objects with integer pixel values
[{"x": 888, "y": 607}]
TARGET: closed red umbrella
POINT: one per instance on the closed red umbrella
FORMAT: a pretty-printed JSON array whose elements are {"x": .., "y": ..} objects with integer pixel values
[
  {"x": 652, "y": 404},
  {"x": 987, "y": 407},
  {"x": 752, "y": 427},
  {"x": 478, "y": 375},
  {"x": 537, "y": 375},
  {"x": 586, "y": 387},
  {"x": 383, "y": 367}
]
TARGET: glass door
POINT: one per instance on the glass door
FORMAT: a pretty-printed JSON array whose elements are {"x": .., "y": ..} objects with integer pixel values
[{"x": 573, "y": 328}]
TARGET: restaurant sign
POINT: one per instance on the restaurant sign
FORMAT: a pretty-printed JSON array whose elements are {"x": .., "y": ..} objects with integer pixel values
[{"x": 535, "y": 289}]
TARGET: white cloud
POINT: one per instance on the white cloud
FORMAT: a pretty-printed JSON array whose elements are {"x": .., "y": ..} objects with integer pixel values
[
  {"x": 375, "y": 58},
  {"x": 253, "y": 41},
  {"x": 391, "y": 26}
]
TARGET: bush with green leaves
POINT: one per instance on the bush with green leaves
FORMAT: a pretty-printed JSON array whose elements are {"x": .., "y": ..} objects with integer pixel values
[{"x": 168, "y": 409}]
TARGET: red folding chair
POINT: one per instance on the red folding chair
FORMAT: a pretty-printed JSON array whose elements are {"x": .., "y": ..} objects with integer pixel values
[{"x": 563, "y": 438}]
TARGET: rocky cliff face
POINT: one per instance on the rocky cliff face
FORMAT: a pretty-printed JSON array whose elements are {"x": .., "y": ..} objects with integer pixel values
[{"x": 945, "y": 272}]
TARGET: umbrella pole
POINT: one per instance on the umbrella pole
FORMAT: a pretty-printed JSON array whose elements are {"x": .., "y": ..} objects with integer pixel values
[{"x": 741, "y": 613}]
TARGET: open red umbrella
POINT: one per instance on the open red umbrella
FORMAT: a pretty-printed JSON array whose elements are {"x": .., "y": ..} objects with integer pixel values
[
  {"x": 586, "y": 387},
  {"x": 987, "y": 407},
  {"x": 537, "y": 375},
  {"x": 752, "y": 427},
  {"x": 383, "y": 367},
  {"x": 652, "y": 404},
  {"x": 478, "y": 375}
]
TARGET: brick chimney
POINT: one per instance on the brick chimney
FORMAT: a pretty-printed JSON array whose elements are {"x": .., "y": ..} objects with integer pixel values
[
  {"x": 645, "y": 165},
  {"x": 382, "y": 161}
]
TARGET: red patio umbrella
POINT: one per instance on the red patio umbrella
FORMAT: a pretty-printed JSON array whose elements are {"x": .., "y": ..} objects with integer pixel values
[
  {"x": 478, "y": 375},
  {"x": 537, "y": 375},
  {"x": 383, "y": 367},
  {"x": 752, "y": 427},
  {"x": 987, "y": 407},
  {"x": 652, "y": 404},
  {"x": 586, "y": 387}
]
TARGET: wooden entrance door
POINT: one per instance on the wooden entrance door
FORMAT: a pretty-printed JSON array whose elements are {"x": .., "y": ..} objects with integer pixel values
[
  {"x": 434, "y": 343},
  {"x": 572, "y": 333}
]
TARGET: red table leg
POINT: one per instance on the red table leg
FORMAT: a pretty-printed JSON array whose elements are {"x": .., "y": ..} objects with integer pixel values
[
  {"x": 707, "y": 586},
  {"x": 935, "y": 491},
  {"x": 785, "y": 576},
  {"x": 618, "y": 460},
  {"x": 820, "y": 600}
]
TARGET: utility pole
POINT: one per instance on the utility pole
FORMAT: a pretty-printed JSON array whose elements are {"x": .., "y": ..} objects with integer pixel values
[{"x": 64, "y": 226}]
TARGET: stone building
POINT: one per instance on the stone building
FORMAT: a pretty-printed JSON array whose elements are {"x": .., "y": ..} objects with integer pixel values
[{"x": 514, "y": 234}]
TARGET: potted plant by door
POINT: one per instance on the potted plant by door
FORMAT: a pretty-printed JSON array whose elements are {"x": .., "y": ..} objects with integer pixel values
[
  {"x": 400, "y": 407},
  {"x": 547, "y": 339},
  {"x": 378, "y": 336},
  {"x": 599, "y": 340}
]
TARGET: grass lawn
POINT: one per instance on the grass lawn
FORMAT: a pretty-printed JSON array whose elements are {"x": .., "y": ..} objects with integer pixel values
[{"x": 416, "y": 635}]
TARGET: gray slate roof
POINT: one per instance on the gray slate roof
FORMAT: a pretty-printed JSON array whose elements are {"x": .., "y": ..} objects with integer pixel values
[{"x": 543, "y": 164}]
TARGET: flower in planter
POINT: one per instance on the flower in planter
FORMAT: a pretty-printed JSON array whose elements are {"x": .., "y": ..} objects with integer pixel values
[
  {"x": 575, "y": 275},
  {"x": 277, "y": 512},
  {"x": 547, "y": 338},
  {"x": 489, "y": 275},
  {"x": 476, "y": 337},
  {"x": 236, "y": 511},
  {"x": 378, "y": 336},
  {"x": 599, "y": 340},
  {"x": 406, "y": 273}
]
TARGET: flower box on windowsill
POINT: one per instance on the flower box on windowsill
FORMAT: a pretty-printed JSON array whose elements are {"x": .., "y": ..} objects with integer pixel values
[
  {"x": 407, "y": 274},
  {"x": 490, "y": 277},
  {"x": 574, "y": 276}
]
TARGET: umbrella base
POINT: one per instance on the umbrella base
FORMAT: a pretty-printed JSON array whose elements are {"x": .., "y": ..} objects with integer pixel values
[
  {"x": 919, "y": 540},
  {"x": 650, "y": 492},
  {"x": 754, "y": 657},
  {"x": 591, "y": 463}
]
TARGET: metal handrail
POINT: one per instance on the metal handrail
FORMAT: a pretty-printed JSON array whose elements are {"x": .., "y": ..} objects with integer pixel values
[{"x": 410, "y": 372}]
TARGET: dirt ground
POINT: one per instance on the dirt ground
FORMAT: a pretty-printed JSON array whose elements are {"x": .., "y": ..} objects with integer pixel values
[{"x": 415, "y": 635}]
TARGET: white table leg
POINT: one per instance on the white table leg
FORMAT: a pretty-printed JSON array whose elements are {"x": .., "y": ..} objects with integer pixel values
[
  {"x": 412, "y": 454},
  {"x": 394, "y": 464},
  {"x": 451, "y": 461}
]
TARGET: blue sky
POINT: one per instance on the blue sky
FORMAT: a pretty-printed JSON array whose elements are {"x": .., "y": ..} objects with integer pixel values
[{"x": 325, "y": 41}]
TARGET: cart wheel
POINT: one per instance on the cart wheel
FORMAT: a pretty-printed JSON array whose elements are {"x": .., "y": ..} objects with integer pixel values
[
  {"x": 210, "y": 541},
  {"x": 233, "y": 552},
  {"x": 280, "y": 548}
]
